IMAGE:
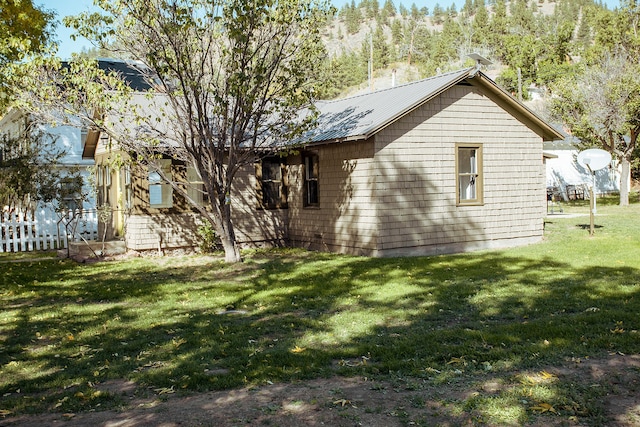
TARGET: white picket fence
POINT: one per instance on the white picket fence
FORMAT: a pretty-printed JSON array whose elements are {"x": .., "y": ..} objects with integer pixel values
[{"x": 45, "y": 229}]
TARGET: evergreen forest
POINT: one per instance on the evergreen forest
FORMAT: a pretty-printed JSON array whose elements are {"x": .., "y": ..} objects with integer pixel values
[{"x": 531, "y": 43}]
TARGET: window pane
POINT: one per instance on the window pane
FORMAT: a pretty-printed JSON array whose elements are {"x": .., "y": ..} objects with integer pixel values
[
  {"x": 270, "y": 193},
  {"x": 311, "y": 167},
  {"x": 271, "y": 171},
  {"x": 160, "y": 191},
  {"x": 467, "y": 160},
  {"x": 312, "y": 192},
  {"x": 155, "y": 194},
  {"x": 154, "y": 177},
  {"x": 467, "y": 187}
]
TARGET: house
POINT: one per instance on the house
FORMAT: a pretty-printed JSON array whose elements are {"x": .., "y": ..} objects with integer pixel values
[
  {"x": 68, "y": 140},
  {"x": 447, "y": 164}
]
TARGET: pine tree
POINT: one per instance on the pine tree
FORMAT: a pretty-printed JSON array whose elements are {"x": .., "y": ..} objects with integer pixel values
[
  {"x": 480, "y": 23},
  {"x": 389, "y": 8}
]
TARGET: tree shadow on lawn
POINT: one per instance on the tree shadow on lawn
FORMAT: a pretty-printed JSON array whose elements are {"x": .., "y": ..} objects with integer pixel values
[{"x": 291, "y": 315}]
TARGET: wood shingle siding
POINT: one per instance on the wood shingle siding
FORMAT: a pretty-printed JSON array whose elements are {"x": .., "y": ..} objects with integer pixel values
[{"x": 415, "y": 186}]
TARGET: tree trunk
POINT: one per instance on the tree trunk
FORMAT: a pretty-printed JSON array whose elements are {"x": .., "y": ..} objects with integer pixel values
[
  {"x": 231, "y": 250},
  {"x": 228, "y": 235},
  {"x": 624, "y": 181}
]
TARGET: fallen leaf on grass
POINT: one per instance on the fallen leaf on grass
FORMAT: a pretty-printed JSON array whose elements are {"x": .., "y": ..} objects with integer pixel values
[
  {"x": 61, "y": 402},
  {"x": 344, "y": 402},
  {"x": 457, "y": 360},
  {"x": 547, "y": 376},
  {"x": 297, "y": 350},
  {"x": 178, "y": 342},
  {"x": 354, "y": 363},
  {"x": 543, "y": 407},
  {"x": 164, "y": 390}
]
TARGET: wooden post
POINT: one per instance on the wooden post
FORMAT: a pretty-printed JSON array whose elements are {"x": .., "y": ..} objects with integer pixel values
[{"x": 591, "y": 211}]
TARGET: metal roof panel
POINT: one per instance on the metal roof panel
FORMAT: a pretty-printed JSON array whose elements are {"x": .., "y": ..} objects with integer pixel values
[{"x": 360, "y": 116}]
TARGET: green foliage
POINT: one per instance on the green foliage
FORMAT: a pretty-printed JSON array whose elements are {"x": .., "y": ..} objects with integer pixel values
[
  {"x": 381, "y": 51},
  {"x": 209, "y": 240},
  {"x": 25, "y": 31},
  {"x": 342, "y": 72},
  {"x": 352, "y": 17},
  {"x": 389, "y": 8},
  {"x": 601, "y": 106},
  {"x": 480, "y": 23}
]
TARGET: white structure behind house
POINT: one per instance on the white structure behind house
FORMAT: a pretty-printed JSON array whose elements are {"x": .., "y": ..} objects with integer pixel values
[
  {"x": 71, "y": 141},
  {"x": 565, "y": 175},
  {"x": 66, "y": 139}
]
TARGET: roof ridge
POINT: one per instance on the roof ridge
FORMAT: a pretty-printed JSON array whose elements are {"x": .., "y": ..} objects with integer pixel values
[{"x": 330, "y": 101}]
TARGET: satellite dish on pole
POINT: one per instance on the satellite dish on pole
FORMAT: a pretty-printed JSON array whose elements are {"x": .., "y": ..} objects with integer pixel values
[{"x": 594, "y": 159}]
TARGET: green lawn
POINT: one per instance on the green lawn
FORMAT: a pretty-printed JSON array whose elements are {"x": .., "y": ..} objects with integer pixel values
[{"x": 195, "y": 324}]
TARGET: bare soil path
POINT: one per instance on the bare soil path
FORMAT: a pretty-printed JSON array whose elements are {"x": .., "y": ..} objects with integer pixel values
[{"x": 361, "y": 401}]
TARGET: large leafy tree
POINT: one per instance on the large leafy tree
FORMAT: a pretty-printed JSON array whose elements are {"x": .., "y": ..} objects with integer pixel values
[
  {"x": 29, "y": 171},
  {"x": 24, "y": 30},
  {"x": 601, "y": 106},
  {"x": 230, "y": 79}
]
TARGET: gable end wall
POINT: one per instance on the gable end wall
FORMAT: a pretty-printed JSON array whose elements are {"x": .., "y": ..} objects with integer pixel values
[{"x": 415, "y": 179}]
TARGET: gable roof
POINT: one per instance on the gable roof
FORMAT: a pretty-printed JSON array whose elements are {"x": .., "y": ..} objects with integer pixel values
[
  {"x": 360, "y": 117},
  {"x": 134, "y": 73}
]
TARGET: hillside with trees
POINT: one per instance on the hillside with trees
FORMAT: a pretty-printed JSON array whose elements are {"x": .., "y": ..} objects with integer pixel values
[{"x": 530, "y": 42}]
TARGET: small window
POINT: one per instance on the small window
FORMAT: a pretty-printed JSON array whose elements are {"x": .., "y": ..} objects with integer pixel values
[
  {"x": 160, "y": 191},
  {"x": 128, "y": 190},
  {"x": 272, "y": 188},
  {"x": 196, "y": 189},
  {"x": 469, "y": 174},
  {"x": 107, "y": 176},
  {"x": 103, "y": 184},
  {"x": 311, "y": 180}
]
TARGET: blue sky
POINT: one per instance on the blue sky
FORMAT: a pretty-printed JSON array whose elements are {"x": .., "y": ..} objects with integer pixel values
[{"x": 73, "y": 7}]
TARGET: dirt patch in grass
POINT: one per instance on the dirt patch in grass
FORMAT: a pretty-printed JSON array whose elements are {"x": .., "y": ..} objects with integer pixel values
[{"x": 587, "y": 392}]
